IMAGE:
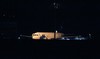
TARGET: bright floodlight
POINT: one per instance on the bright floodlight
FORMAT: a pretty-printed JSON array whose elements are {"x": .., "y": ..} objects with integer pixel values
[{"x": 56, "y": 31}]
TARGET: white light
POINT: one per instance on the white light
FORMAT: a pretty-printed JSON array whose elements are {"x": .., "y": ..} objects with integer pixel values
[
  {"x": 81, "y": 38},
  {"x": 62, "y": 38},
  {"x": 56, "y": 31},
  {"x": 18, "y": 37},
  {"x": 54, "y": 3},
  {"x": 77, "y": 38},
  {"x": 67, "y": 39}
]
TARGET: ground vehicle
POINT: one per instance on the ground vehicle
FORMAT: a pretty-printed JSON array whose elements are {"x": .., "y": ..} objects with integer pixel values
[{"x": 48, "y": 35}]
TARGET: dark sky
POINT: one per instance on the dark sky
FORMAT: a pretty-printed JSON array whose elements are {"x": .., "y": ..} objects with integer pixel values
[{"x": 39, "y": 15}]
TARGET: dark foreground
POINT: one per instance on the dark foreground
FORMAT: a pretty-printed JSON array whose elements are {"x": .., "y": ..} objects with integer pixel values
[{"x": 30, "y": 49}]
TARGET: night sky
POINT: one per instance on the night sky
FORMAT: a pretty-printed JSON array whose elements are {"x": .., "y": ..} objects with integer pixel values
[{"x": 28, "y": 16}]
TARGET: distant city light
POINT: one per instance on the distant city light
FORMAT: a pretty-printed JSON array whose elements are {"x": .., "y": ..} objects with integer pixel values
[
  {"x": 18, "y": 37},
  {"x": 67, "y": 39},
  {"x": 54, "y": 3},
  {"x": 79, "y": 38}
]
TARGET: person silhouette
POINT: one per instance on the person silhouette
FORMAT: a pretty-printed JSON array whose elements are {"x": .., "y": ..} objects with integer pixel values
[{"x": 42, "y": 37}]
